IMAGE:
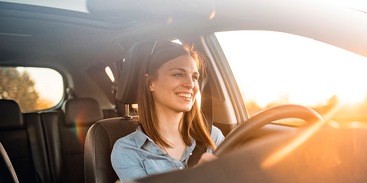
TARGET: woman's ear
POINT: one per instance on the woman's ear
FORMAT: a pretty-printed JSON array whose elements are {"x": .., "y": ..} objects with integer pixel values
[
  {"x": 150, "y": 83},
  {"x": 151, "y": 86}
]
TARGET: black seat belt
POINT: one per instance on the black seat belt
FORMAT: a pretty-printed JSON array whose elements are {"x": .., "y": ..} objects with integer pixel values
[{"x": 196, "y": 154}]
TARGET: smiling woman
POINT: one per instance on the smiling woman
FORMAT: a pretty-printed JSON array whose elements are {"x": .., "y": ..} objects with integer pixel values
[
  {"x": 283, "y": 74},
  {"x": 166, "y": 82}
]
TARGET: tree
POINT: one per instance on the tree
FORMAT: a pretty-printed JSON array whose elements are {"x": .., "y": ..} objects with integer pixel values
[{"x": 18, "y": 86}]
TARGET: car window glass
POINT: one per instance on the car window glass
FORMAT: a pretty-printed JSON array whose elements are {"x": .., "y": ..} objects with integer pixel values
[
  {"x": 273, "y": 68},
  {"x": 34, "y": 89}
]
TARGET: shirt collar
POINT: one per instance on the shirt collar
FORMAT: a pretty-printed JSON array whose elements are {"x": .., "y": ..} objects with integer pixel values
[
  {"x": 140, "y": 137},
  {"x": 143, "y": 141}
]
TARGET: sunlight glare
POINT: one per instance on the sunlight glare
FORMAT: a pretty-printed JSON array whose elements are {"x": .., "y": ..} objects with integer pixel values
[
  {"x": 284, "y": 151},
  {"x": 273, "y": 66},
  {"x": 109, "y": 73},
  {"x": 288, "y": 148}
]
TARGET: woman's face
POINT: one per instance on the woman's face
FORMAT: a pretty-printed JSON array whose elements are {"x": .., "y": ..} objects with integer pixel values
[{"x": 176, "y": 85}]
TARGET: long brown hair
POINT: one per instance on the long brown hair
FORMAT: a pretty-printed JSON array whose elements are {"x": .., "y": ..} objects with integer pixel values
[{"x": 193, "y": 125}]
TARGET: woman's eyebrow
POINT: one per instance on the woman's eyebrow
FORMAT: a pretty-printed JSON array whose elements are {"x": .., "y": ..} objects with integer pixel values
[{"x": 183, "y": 70}]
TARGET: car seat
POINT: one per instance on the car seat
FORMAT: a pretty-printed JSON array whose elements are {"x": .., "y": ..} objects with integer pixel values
[
  {"x": 23, "y": 138},
  {"x": 102, "y": 135}
]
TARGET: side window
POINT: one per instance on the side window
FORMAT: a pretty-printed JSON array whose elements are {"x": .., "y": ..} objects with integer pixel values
[
  {"x": 273, "y": 68},
  {"x": 34, "y": 89}
]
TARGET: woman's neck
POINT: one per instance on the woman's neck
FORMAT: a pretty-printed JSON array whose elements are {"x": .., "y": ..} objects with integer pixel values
[
  {"x": 169, "y": 121},
  {"x": 169, "y": 129},
  {"x": 168, "y": 125}
]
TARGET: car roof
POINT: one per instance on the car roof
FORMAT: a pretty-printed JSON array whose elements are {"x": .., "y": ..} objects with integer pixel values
[{"x": 114, "y": 24}]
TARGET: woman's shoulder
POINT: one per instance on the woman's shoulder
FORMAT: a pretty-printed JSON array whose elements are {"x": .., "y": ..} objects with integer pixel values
[
  {"x": 216, "y": 131},
  {"x": 131, "y": 139},
  {"x": 125, "y": 150},
  {"x": 126, "y": 140},
  {"x": 217, "y": 135}
]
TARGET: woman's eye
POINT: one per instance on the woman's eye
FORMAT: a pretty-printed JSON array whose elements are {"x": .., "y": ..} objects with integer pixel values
[
  {"x": 195, "y": 78},
  {"x": 178, "y": 75}
]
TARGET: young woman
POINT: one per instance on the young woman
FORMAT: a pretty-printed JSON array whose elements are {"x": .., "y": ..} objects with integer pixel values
[{"x": 171, "y": 123}]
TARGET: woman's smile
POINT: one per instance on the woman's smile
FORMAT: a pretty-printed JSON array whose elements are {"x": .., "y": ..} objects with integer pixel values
[{"x": 187, "y": 96}]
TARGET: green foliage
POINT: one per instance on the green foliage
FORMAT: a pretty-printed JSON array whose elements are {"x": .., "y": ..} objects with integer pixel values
[{"x": 18, "y": 86}]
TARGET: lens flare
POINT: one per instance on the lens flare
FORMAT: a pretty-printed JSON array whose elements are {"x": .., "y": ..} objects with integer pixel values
[{"x": 282, "y": 152}]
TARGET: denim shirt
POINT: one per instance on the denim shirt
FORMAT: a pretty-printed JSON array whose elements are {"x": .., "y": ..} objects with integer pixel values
[{"x": 136, "y": 155}]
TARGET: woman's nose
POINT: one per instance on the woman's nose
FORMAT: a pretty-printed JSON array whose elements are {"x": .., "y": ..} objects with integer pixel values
[{"x": 189, "y": 82}]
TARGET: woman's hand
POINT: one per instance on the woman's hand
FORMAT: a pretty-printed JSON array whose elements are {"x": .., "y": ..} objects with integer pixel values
[{"x": 206, "y": 157}]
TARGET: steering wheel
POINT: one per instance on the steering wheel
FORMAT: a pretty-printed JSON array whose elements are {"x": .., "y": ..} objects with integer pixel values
[{"x": 244, "y": 130}]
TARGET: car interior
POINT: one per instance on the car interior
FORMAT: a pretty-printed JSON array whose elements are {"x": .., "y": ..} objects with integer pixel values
[{"x": 72, "y": 140}]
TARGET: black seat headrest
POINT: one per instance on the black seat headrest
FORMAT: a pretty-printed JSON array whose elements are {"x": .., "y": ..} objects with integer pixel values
[
  {"x": 136, "y": 65},
  {"x": 10, "y": 114},
  {"x": 81, "y": 111}
]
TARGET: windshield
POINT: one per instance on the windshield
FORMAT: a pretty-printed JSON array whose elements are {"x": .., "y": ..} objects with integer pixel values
[{"x": 273, "y": 68}]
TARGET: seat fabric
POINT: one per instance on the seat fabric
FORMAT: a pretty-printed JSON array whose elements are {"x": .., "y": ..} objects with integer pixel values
[
  {"x": 66, "y": 131},
  {"x": 23, "y": 138}
]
